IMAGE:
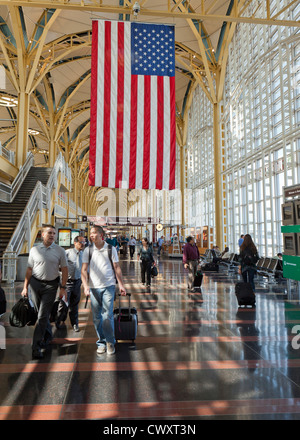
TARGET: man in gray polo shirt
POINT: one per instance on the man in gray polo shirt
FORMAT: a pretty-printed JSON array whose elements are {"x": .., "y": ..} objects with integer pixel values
[{"x": 44, "y": 263}]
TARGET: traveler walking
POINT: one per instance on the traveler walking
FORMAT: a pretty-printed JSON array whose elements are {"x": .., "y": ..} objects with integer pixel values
[
  {"x": 42, "y": 274},
  {"x": 248, "y": 258},
  {"x": 100, "y": 285},
  {"x": 145, "y": 255},
  {"x": 74, "y": 257},
  {"x": 190, "y": 260},
  {"x": 160, "y": 243},
  {"x": 132, "y": 244}
]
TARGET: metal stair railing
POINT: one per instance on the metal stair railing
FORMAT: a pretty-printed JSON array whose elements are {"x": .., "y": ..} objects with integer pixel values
[
  {"x": 39, "y": 199},
  {"x": 8, "y": 192},
  {"x": 7, "y": 154}
]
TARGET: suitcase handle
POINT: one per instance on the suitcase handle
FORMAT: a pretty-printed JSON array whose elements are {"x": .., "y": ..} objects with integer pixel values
[
  {"x": 127, "y": 294},
  {"x": 129, "y": 307}
]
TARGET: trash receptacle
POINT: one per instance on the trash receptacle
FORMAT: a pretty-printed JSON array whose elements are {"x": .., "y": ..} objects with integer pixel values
[{"x": 22, "y": 266}]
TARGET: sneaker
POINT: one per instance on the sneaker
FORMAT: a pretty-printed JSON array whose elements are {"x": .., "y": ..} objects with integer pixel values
[
  {"x": 110, "y": 348},
  {"x": 75, "y": 328},
  {"x": 101, "y": 349}
]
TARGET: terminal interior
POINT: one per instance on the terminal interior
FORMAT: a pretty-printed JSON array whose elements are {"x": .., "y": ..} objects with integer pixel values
[{"x": 197, "y": 355}]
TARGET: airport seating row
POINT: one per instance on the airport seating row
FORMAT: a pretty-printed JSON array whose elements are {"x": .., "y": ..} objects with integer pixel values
[{"x": 270, "y": 268}]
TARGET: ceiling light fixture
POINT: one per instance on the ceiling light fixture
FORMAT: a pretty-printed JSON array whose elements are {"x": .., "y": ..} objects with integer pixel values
[
  {"x": 8, "y": 101},
  {"x": 33, "y": 132}
]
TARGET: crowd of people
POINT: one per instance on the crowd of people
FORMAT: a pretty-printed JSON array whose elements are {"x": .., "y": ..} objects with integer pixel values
[
  {"x": 247, "y": 259},
  {"x": 94, "y": 266}
]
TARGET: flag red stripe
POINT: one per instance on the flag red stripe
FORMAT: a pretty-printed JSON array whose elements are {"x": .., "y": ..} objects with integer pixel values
[
  {"x": 172, "y": 133},
  {"x": 147, "y": 120},
  {"x": 133, "y": 132},
  {"x": 106, "y": 111},
  {"x": 120, "y": 107},
  {"x": 93, "y": 115},
  {"x": 160, "y": 132}
]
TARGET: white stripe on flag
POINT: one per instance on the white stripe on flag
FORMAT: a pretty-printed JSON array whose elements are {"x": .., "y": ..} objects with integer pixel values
[
  {"x": 153, "y": 133},
  {"x": 140, "y": 133},
  {"x": 113, "y": 105},
  {"x": 127, "y": 101}
]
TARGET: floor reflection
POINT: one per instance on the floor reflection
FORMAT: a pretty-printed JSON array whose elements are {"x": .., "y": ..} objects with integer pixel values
[{"x": 197, "y": 355}]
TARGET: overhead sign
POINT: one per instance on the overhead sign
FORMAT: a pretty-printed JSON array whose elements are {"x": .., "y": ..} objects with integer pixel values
[
  {"x": 130, "y": 221},
  {"x": 292, "y": 191}
]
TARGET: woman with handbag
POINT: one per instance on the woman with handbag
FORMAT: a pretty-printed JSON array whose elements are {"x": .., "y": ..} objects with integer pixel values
[{"x": 145, "y": 255}]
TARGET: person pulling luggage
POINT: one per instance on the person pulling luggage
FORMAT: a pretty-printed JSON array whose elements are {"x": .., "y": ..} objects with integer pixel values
[
  {"x": 248, "y": 258},
  {"x": 190, "y": 260},
  {"x": 100, "y": 285}
]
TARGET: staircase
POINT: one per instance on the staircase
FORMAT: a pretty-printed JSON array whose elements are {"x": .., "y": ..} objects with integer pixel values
[{"x": 10, "y": 213}]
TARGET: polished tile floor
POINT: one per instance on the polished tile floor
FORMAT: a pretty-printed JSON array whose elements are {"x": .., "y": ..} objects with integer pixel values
[{"x": 197, "y": 356}]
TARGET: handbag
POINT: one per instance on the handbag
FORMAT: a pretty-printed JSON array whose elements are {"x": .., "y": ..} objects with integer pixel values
[
  {"x": 59, "y": 310},
  {"x": 154, "y": 271},
  {"x": 22, "y": 313}
]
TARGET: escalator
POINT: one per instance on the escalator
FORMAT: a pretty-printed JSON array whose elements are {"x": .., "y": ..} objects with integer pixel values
[{"x": 10, "y": 213}]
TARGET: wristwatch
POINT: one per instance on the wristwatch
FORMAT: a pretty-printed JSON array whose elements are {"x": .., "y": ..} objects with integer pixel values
[{"x": 63, "y": 287}]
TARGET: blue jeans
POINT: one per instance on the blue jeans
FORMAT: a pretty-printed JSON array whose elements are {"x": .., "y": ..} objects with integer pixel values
[{"x": 102, "y": 301}]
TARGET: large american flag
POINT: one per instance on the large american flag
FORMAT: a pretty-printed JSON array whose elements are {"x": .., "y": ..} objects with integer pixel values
[{"x": 132, "y": 131}]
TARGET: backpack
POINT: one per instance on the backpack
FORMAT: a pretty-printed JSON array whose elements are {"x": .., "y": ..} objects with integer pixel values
[{"x": 250, "y": 259}]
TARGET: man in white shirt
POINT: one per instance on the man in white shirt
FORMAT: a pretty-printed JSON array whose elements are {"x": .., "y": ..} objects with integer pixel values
[
  {"x": 44, "y": 263},
  {"x": 100, "y": 285},
  {"x": 132, "y": 244}
]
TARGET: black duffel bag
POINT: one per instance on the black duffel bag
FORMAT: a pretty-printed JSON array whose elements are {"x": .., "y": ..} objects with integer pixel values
[
  {"x": 22, "y": 313},
  {"x": 154, "y": 271},
  {"x": 59, "y": 312}
]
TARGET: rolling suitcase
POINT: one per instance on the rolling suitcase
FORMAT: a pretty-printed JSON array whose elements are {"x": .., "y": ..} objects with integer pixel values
[
  {"x": 125, "y": 322},
  {"x": 198, "y": 280},
  {"x": 244, "y": 294}
]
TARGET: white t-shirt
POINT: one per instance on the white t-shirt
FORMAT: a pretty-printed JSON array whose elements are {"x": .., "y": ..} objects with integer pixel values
[{"x": 101, "y": 273}]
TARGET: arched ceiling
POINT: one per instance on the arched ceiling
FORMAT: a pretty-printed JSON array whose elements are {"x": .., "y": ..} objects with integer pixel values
[{"x": 45, "y": 48}]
